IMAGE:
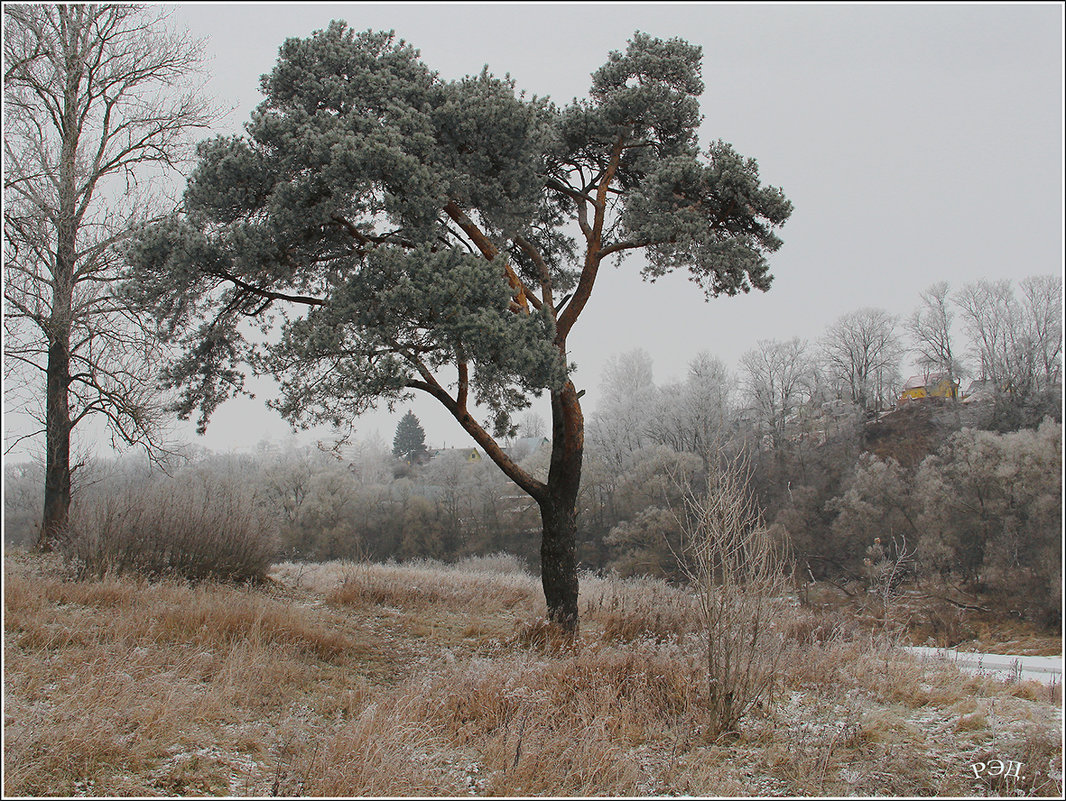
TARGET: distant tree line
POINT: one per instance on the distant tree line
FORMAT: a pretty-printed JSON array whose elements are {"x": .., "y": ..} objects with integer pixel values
[
  {"x": 973, "y": 489},
  {"x": 848, "y": 483}
]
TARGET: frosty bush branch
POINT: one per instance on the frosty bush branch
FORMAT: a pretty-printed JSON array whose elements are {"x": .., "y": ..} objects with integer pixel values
[{"x": 739, "y": 571}]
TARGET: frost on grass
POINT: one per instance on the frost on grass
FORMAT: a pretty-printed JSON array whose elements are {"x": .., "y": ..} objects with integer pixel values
[{"x": 359, "y": 679}]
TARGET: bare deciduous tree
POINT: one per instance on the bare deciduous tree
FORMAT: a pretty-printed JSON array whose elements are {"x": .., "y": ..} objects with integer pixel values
[
  {"x": 693, "y": 416},
  {"x": 990, "y": 314},
  {"x": 1041, "y": 304},
  {"x": 779, "y": 377},
  {"x": 627, "y": 387},
  {"x": 930, "y": 329},
  {"x": 1018, "y": 343},
  {"x": 97, "y": 108},
  {"x": 532, "y": 425},
  {"x": 861, "y": 353}
]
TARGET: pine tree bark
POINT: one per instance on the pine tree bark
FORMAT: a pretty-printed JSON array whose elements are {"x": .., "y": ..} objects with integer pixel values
[{"x": 558, "y": 510}]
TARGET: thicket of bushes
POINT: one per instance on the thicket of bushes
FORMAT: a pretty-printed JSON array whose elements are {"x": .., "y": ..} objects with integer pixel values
[
  {"x": 982, "y": 513},
  {"x": 169, "y": 527},
  {"x": 981, "y": 510}
]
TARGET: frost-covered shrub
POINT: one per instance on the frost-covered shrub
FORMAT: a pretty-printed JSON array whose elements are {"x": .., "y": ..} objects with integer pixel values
[
  {"x": 991, "y": 511},
  {"x": 739, "y": 571},
  {"x": 877, "y": 503},
  {"x": 196, "y": 530}
]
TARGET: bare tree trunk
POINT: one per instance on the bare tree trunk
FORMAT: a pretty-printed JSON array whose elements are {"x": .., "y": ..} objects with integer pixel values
[
  {"x": 57, "y": 447},
  {"x": 58, "y": 424},
  {"x": 558, "y": 510},
  {"x": 57, "y": 372}
]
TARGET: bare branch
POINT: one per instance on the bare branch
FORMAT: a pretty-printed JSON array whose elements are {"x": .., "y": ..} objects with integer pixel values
[{"x": 266, "y": 293}]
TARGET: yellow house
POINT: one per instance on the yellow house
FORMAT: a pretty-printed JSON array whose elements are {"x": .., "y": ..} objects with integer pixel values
[
  {"x": 466, "y": 454},
  {"x": 929, "y": 386}
]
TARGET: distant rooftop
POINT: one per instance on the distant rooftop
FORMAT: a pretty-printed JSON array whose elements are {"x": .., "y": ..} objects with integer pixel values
[{"x": 916, "y": 381}]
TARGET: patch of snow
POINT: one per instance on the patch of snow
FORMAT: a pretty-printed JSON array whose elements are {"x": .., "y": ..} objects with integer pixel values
[
  {"x": 1046, "y": 669},
  {"x": 85, "y": 788}
]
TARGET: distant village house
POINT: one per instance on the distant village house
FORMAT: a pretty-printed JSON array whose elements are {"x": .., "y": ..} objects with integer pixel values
[
  {"x": 929, "y": 386},
  {"x": 466, "y": 454}
]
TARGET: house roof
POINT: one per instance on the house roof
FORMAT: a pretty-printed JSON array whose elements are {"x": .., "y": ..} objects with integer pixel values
[
  {"x": 466, "y": 453},
  {"x": 916, "y": 381},
  {"x": 524, "y": 446}
]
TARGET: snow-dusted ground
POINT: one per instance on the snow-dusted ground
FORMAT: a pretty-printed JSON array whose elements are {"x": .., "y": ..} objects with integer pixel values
[{"x": 1046, "y": 669}]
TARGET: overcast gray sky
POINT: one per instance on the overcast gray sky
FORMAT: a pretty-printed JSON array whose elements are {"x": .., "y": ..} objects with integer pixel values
[{"x": 917, "y": 143}]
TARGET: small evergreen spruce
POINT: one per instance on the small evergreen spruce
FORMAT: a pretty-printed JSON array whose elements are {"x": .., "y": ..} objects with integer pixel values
[{"x": 409, "y": 443}]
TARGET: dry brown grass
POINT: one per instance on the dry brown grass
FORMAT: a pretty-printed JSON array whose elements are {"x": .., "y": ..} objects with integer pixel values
[
  {"x": 349, "y": 679},
  {"x": 113, "y": 683},
  {"x": 522, "y": 724},
  {"x": 423, "y": 585},
  {"x": 633, "y": 609}
]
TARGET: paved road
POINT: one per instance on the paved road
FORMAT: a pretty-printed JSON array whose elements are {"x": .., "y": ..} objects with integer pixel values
[{"x": 1047, "y": 669}]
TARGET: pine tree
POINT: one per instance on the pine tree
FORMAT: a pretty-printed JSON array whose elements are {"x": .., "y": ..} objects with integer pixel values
[
  {"x": 444, "y": 237},
  {"x": 409, "y": 443}
]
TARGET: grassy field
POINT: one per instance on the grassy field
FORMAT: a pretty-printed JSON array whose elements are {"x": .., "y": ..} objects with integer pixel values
[{"x": 356, "y": 679}]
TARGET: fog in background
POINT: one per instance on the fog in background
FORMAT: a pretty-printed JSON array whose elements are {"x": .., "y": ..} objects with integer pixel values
[{"x": 918, "y": 143}]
